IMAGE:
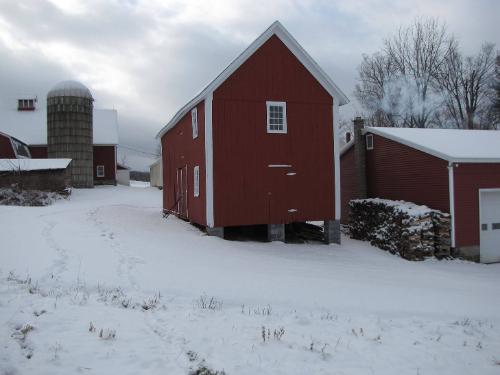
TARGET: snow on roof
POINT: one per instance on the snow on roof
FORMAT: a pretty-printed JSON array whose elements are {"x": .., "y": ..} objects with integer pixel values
[
  {"x": 70, "y": 88},
  {"x": 275, "y": 29},
  {"x": 7, "y": 165},
  {"x": 31, "y": 126},
  {"x": 454, "y": 145}
]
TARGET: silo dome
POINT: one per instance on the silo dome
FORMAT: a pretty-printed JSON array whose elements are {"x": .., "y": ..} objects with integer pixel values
[
  {"x": 70, "y": 88},
  {"x": 70, "y": 111}
]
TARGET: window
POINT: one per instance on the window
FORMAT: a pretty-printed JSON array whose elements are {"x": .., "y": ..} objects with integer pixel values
[
  {"x": 196, "y": 184},
  {"x": 369, "y": 142},
  {"x": 276, "y": 117},
  {"x": 26, "y": 104},
  {"x": 194, "y": 122},
  {"x": 100, "y": 171},
  {"x": 22, "y": 151}
]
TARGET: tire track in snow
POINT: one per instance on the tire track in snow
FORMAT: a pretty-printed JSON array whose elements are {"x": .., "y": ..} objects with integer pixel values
[{"x": 60, "y": 264}]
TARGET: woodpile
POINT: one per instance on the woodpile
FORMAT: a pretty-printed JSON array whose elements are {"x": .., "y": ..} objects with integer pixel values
[{"x": 412, "y": 231}]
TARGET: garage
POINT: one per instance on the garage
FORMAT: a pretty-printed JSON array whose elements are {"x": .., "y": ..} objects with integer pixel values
[{"x": 489, "y": 213}]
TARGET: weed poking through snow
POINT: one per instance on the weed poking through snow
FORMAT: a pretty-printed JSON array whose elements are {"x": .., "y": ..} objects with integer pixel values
[{"x": 206, "y": 303}]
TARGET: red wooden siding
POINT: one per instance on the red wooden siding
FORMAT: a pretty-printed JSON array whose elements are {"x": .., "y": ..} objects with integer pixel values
[
  {"x": 6, "y": 150},
  {"x": 246, "y": 190},
  {"x": 348, "y": 181},
  {"x": 179, "y": 150},
  {"x": 39, "y": 152},
  {"x": 399, "y": 172},
  {"x": 468, "y": 179},
  {"x": 105, "y": 155}
]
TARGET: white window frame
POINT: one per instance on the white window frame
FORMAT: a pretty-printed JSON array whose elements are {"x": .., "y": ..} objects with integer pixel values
[
  {"x": 369, "y": 141},
  {"x": 194, "y": 122},
  {"x": 196, "y": 181},
  {"x": 98, "y": 169},
  {"x": 270, "y": 104}
]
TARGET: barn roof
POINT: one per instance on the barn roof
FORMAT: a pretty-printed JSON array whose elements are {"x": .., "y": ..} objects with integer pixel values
[
  {"x": 275, "y": 29},
  {"x": 31, "y": 126},
  {"x": 453, "y": 145},
  {"x": 7, "y": 165}
]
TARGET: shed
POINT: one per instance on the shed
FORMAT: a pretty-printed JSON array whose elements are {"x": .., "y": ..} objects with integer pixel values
[
  {"x": 453, "y": 170},
  {"x": 156, "y": 174},
  {"x": 259, "y": 144},
  {"x": 35, "y": 174}
]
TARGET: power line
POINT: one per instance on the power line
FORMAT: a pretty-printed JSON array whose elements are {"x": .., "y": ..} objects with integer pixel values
[{"x": 139, "y": 151}]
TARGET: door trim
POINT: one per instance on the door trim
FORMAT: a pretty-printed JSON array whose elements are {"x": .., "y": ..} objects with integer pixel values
[{"x": 492, "y": 190}]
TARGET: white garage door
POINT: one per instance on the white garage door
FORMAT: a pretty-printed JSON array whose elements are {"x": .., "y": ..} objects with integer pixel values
[{"x": 490, "y": 225}]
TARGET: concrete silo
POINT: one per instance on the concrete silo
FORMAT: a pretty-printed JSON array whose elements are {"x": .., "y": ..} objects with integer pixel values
[{"x": 69, "y": 129}]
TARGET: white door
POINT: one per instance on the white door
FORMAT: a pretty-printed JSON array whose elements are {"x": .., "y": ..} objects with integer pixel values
[{"x": 489, "y": 225}]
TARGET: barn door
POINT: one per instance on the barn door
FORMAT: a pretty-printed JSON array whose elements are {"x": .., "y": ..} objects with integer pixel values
[
  {"x": 489, "y": 226},
  {"x": 181, "y": 190}
]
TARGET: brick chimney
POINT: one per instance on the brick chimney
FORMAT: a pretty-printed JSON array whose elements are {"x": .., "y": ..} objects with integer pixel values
[{"x": 360, "y": 157}]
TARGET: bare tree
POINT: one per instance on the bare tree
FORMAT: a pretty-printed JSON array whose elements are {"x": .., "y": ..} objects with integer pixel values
[
  {"x": 417, "y": 54},
  {"x": 467, "y": 81},
  {"x": 398, "y": 84}
]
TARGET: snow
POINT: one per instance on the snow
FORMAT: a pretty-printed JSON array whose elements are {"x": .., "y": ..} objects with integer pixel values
[
  {"x": 455, "y": 145},
  {"x": 140, "y": 184},
  {"x": 32, "y": 164},
  {"x": 106, "y": 256},
  {"x": 409, "y": 208},
  {"x": 30, "y": 127}
]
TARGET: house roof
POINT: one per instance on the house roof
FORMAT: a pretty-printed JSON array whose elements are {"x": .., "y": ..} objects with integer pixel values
[
  {"x": 31, "y": 126},
  {"x": 275, "y": 29},
  {"x": 453, "y": 145},
  {"x": 7, "y": 165}
]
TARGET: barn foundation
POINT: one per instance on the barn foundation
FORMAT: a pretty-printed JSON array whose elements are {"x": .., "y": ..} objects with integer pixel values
[
  {"x": 276, "y": 232},
  {"x": 215, "y": 231},
  {"x": 332, "y": 231}
]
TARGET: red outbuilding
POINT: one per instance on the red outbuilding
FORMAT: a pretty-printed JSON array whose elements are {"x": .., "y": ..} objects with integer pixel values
[
  {"x": 259, "y": 144},
  {"x": 451, "y": 170}
]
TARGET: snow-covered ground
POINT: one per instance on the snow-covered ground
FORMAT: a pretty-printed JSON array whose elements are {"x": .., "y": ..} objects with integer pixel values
[{"x": 170, "y": 299}]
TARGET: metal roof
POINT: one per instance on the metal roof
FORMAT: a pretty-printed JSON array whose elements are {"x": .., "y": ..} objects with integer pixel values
[{"x": 70, "y": 88}]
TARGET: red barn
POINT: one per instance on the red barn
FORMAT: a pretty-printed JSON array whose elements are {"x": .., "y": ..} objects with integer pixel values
[
  {"x": 455, "y": 171},
  {"x": 26, "y": 124},
  {"x": 258, "y": 145}
]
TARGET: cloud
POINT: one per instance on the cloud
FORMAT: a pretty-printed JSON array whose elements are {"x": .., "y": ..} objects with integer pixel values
[{"x": 147, "y": 58}]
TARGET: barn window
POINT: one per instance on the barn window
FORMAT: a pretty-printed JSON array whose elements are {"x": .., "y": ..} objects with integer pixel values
[
  {"x": 194, "y": 122},
  {"x": 369, "y": 142},
  {"x": 196, "y": 184},
  {"x": 100, "y": 171},
  {"x": 276, "y": 117}
]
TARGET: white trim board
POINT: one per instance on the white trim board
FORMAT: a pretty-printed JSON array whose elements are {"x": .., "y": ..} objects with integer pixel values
[
  {"x": 275, "y": 29},
  {"x": 451, "y": 193},
  {"x": 209, "y": 163},
  {"x": 336, "y": 159}
]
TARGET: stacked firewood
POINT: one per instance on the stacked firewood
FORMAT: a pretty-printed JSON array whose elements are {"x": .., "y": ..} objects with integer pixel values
[{"x": 414, "y": 232}]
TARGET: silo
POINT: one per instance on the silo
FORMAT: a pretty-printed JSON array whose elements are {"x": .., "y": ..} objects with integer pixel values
[{"x": 69, "y": 129}]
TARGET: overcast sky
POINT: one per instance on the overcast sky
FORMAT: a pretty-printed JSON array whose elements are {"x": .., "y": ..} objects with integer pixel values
[{"x": 148, "y": 58}]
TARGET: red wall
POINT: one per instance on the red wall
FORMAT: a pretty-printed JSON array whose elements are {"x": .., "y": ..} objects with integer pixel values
[
  {"x": 38, "y": 152},
  {"x": 348, "y": 182},
  {"x": 179, "y": 149},
  {"x": 399, "y": 172},
  {"x": 468, "y": 179},
  {"x": 6, "y": 150},
  {"x": 105, "y": 155},
  {"x": 246, "y": 190}
]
